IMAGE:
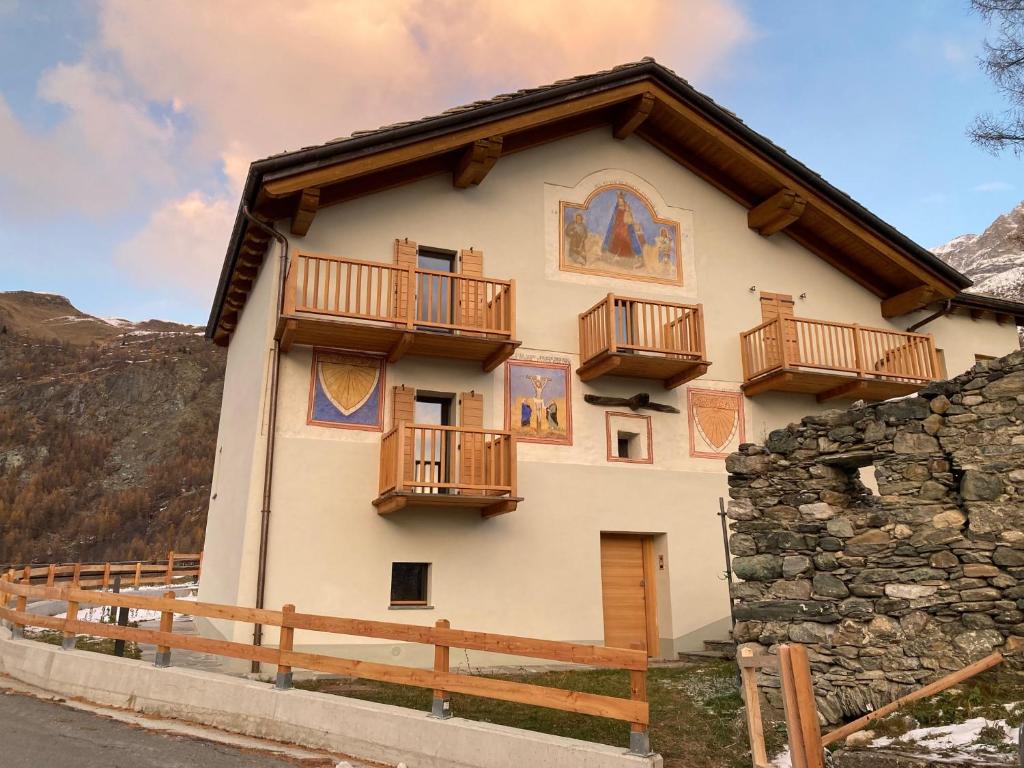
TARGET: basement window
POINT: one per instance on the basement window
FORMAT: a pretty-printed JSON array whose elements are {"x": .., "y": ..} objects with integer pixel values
[{"x": 409, "y": 582}]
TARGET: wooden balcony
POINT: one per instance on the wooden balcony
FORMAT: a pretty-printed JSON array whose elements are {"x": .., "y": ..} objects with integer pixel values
[
  {"x": 385, "y": 308},
  {"x": 620, "y": 336},
  {"x": 831, "y": 360},
  {"x": 427, "y": 465}
]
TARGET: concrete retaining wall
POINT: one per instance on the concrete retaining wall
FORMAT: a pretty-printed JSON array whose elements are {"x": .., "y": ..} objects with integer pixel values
[{"x": 377, "y": 732}]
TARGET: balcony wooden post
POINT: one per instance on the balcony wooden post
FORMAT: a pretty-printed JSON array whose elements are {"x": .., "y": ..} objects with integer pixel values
[
  {"x": 400, "y": 462},
  {"x": 858, "y": 352},
  {"x": 289, "y": 285},
  {"x": 612, "y": 337},
  {"x": 411, "y": 296},
  {"x": 512, "y": 308}
]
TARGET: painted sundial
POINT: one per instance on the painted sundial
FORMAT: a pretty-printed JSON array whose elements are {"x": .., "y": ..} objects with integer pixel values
[{"x": 346, "y": 390}]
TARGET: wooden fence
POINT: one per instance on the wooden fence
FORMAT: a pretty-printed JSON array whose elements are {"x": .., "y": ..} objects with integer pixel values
[
  {"x": 440, "y": 679},
  {"x": 178, "y": 565},
  {"x": 806, "y": 741}
]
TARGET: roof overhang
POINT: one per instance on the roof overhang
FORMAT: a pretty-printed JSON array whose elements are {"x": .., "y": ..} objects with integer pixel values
[
  {"x": 980, "y": 305},
  {"x": 642, "y": 99}
]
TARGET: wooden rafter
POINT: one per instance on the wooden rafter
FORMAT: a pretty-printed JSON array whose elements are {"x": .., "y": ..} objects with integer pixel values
[
  {"x": 633, "y": 116},
  {"x": 305, "y": 211},
  {"x": 910, "y": 301},
  {"x": 776, "y": 213},
  {"x": 476, "y": 162}
]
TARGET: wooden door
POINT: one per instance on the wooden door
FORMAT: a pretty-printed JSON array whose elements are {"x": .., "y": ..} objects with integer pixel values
[
  {"x": 780, "y": 305},
  {"x": 627, "y": 587}
]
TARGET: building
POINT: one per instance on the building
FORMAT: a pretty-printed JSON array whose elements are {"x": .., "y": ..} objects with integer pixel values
[{"x": 407, "y": 433}]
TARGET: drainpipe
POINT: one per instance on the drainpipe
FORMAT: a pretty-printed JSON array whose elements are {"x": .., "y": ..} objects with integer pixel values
[
  {"x": 945, "y": 310},
  {"x": 268, "y": 467}
]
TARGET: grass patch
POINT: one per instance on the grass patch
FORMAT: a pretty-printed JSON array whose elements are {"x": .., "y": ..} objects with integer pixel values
[
  {"x": 697, "y": 718},
  {"x": 84, "y": 642},
  {"x": 986, "y": 695}
]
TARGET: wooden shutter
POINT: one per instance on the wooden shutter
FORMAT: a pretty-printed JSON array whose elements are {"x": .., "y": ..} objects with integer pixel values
[
  {"x": 405, "y": 257},
  {"x": 472, "y": 294},
  {"x": 403, "y": 411},
  {"x": 472, "y": 445},
  {"x": 780, "y": 305}
]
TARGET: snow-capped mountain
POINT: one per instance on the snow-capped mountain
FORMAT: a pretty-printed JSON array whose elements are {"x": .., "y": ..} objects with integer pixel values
[{"x": 994, "y": 260}]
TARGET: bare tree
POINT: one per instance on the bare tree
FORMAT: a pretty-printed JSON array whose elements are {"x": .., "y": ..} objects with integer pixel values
[{"x": 1004, "y": 63}]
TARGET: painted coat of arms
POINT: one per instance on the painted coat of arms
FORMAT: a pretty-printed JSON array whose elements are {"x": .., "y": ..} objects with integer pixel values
[
  {"x": 346, "y": 391},
  {"x": 616, "y": 232},
  {"x": 716, "y": 422}
]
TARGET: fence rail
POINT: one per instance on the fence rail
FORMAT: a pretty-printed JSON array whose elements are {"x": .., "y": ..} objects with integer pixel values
[
  {"x": 133, "y": 573},
  {"x": 319, "y": 284},
  {"x": 623, "y": 324},
  {"x": 869, "y": 353},
  {"x": 441, "y": 679}
]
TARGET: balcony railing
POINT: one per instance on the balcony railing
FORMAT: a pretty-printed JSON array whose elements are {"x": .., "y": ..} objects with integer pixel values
[
  {"x": 415, "y": 311},
  {"x": 434, "y": 465},
  {"x": 829, "y": 359},
  {"x": 624, "y": 336}
]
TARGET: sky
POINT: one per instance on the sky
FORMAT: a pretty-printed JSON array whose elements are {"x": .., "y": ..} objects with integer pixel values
[{"x": 127, "y": 126}]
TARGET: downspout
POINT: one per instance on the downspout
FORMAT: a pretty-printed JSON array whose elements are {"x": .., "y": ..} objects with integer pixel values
[
  {"x": 946, "y": 309},
  {"x": 268, "y": 467}
]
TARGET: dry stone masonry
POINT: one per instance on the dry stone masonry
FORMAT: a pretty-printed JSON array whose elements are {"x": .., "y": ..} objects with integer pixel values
[{"x": 892, "y": 589}]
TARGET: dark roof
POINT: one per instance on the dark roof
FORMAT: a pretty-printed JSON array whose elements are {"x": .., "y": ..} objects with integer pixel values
[
  {"x": 366, "y": 142},
  {"x": 994, "y": 304}
]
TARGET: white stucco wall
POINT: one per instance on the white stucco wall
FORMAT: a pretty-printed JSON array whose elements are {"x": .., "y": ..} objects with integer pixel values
[{"x": 534, "y": 571}]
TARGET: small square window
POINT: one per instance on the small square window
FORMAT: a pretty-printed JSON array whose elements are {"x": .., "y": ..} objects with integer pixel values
[
  {"x": 409, "y": 583},
  {"x": 629, "y": 438}
]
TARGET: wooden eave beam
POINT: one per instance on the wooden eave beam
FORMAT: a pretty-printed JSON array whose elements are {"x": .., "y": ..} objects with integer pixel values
[
  {"x": 776, "y": 213},
  {"x": 633, "y": 116},
  {"x": 910, "y": 301},
  {"x": 375, "y": 161},
  {"x": 782, "y": 179},
  {"x": 476, "y": 162},
  {"x": 305, "y": 211}
]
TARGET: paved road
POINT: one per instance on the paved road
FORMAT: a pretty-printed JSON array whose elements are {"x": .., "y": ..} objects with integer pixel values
[{"x": 42, "y": 734}]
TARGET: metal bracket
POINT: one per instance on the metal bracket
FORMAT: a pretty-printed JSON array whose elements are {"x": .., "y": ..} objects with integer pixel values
[
  {"x": 284, "y": 681},
  {"x": 162, "y": 659},
  {"x": 640, "y": 743},
  {"x": 441, "y": 709}
]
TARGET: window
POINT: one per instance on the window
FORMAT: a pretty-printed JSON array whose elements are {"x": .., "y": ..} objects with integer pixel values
[
  {"x": 432, "y": 449},
  {"x": 435, "y": 297},
  {"x": 629, "y": 438},
  {"x": 409, "y": 583}
]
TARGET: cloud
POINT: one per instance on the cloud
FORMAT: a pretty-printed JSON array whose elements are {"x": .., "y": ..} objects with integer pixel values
[
  {"x": 105, "y": 148},
  {"x": 177, "y": 96},
  {"x": 993, "y": 186},
  {"x": 179, "y": 250},
  {"x": 264, "y": 76}
]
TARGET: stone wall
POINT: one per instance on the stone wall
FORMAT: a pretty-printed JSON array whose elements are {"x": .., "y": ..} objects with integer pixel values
[{"x": 892, "y": 589}]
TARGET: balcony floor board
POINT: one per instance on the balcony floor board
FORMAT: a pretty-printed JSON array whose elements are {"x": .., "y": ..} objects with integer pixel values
[
  {"x": 672, "y": 370},
  {"x": 827, "y": 386},
  {"x": 489, "y": 506},
  {"x": 382, "y": 338}
]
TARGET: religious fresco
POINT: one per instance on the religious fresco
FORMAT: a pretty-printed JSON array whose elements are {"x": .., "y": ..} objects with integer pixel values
[
  {"x": 716, "y": 422},
  {"x": 346, "y": 391},
  {"x": 538, "y": 402},
  {"x": 616, "y": 232}
]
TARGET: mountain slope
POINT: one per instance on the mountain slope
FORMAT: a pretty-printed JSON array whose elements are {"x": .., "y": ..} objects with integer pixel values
[
  {"x": 107, "y": 433},
  {"x": 994, "y": 260}
]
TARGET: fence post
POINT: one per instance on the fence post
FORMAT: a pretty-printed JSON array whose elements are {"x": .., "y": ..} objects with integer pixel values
[
  {"x": 163, "y": 652},
  {"x": 752, "y": 701},
  {"x": 639, "y": 735},
  {"x": 804, "y": 688},
  {"x": 51, "y": 572},
  {"x": 170, "y": 567},
  {"x": 18, "y": 630},
  {"x": 797, "y": 755},
  {"x": 76, "y": 577},
  {"x": 441, "y": 707},
  {"x": 106, "y": 576},
  {"x": 70, "y": 616},
  {"x": 284, "y": 671},
  {"x": 138, "y": 573}
]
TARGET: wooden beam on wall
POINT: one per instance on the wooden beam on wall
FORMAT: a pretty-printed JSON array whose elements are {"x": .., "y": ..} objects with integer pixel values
[
  {"x": 476, "y": 162},
  {"x": 909, "y": 301},
  {"x": 776, "y": 213},
  {"x": 305, "y": 211},
  {"x": 633, "y": 116}
]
